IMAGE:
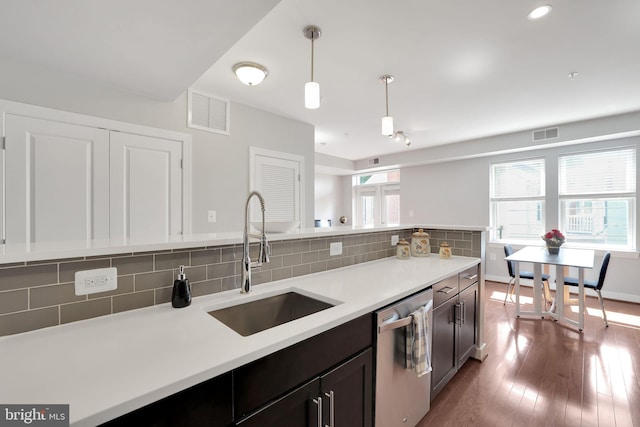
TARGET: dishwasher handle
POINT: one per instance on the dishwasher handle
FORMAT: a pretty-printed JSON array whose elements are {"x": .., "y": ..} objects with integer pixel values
[{"x": 402, "y": 322}]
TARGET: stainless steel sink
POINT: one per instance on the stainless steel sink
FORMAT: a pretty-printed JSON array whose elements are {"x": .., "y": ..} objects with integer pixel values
[{"x": 255, "y": 316}]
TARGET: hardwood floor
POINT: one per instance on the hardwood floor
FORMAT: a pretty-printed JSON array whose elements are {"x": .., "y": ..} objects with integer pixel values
[{"x": 541, "y": 373}]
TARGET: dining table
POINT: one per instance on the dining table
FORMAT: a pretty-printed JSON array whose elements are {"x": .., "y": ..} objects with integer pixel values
[{"x": 581, "y": 259}]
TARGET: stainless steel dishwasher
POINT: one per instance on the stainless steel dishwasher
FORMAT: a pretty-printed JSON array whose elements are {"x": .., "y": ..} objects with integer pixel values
[{"x": 402, "y": 398}]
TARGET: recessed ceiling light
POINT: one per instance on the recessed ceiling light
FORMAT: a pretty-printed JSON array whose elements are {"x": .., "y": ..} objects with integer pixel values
[{"x": 539, "y": 12}]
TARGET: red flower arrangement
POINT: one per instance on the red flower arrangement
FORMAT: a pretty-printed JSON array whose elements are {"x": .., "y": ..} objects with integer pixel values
[{"x": 554, "y": 238}]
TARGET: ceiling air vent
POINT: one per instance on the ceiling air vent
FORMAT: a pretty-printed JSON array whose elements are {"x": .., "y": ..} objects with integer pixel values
[
  {"x": 544, "y": 134},
  {"x": 374, "y": 161},
  {"x": 208, "y": 113}
]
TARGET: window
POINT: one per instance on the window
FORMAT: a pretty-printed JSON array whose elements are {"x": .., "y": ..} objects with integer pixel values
[
  {"x": 597, "y": 193},
  {"x": 279, "y": 177},
  {"x": 377, "y": 198},
  {"x": 517, "y": 200}
]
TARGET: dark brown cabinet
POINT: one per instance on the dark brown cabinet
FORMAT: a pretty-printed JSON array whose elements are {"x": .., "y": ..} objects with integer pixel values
[
  {"x": 341, "y": 397},
  {"x": 207, "y": 403},
  {"x": 347, "y": 393},
  {"x": 455, "y": 326},
  {"x": 328, "y": 375}
]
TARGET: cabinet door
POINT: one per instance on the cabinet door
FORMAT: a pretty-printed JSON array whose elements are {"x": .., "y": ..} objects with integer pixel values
[
  {"x": 57, "y": 181},
  {"x": 205, "y": 404},
  {"x": 443, "y": 352},
  {"x": 467, "y": 336},
  {"x": 347, "y": 393},
  {"x": 146, "y": 187},
  {"x": 299, "y": 408}
]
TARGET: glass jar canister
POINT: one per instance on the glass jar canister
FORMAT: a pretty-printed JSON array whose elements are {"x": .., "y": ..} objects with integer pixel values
[
  {"x": 445, "y": 250},
  {"x": 420, "y": 243},
  {"x": 403, "y": 249}
]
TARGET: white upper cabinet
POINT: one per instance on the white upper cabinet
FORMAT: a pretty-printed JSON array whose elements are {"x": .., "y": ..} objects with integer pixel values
[
  {"x": 146, "y": 187},
  {"x": 92, "y": 179},
  {"x": 57, "y": 181}
]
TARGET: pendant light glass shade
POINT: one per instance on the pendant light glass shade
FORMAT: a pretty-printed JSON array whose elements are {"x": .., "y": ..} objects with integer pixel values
[
  {"x": 387, "y": 126},
  {"x": 250, "y": 73},
  {"x": 312, "y": 95},
  {"x": 312, "y": 88}
]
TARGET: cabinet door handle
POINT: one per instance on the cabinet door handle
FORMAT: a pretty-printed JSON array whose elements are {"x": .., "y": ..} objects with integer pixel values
[
  {"x": 463, "y": 309},
  {"x": 457, "y": 317},
  {"x": 331, "y": 409},
  {"x": 318, "y": 403},
  {"x": 471, "y": 277}
]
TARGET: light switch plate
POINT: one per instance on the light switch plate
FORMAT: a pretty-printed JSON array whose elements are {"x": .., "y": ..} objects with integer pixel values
[
  {"x": 335, "y": 248},
  {"x": 211, "y": 216},
  {"x": 394, "y": 239},
  {"x": 97, "y": 280}
]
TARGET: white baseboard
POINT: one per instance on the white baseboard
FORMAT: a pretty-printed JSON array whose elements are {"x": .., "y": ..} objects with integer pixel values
[{"x": 608, "y": 295}]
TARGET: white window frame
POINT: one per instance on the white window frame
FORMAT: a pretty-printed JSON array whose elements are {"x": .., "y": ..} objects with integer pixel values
[
  {"x": 378, "y": 191},
  {"x": 629, "y": 196},
  {"x": 495, "y": 201},
  {"x": 254, "y": 178}
]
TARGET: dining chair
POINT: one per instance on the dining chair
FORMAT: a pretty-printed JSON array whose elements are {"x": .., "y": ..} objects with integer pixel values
[
  {"x": 595, "y": 285},
  {"x": 508, "y": 250}
]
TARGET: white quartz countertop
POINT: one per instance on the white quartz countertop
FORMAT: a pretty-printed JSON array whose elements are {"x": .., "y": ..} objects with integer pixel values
[
  {"x": 108, "y": 366},
  {"x": 10, "y": 253}
]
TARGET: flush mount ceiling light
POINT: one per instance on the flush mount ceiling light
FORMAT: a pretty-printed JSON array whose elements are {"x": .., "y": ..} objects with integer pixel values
[
  {"x": 539, "y": 12},
  {"x": 250, "y": 73},
  {"x": 311, "y": 88},
  {"x": 387, "y": 120}
]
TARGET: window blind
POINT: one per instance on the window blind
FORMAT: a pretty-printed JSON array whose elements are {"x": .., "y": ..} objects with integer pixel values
[
  {"x": 521, "y": 179},
  {"x": 601, "y": 172}
]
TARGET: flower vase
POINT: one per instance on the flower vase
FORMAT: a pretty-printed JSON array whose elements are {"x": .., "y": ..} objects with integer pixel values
[{"x": 553, "y": 250}]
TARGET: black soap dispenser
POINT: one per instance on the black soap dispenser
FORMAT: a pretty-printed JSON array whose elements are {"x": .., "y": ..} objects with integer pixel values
[{"x": 181, "y": 295}]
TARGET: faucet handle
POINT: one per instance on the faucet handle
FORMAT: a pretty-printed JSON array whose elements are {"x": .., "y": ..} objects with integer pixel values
[{"x": 265, "y": 249}]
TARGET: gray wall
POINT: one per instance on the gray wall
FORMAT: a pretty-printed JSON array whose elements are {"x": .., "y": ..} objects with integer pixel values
[
  {"x": 221, "y": 163},
  {"x": 329, "y": 200},
  {"x": 457, "y": 192}
]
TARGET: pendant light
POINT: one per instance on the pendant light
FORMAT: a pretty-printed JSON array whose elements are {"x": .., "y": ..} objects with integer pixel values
[
  {"x": 312, "y": 88},
  {"x": 387, "y": 120}
]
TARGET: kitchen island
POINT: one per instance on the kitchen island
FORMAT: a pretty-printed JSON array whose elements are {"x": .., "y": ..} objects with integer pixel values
[{"x": 111, "y": 365}]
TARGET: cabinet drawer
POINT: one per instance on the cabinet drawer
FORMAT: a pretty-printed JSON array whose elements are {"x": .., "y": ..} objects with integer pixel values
[
  {"x": 469, "y": 277},
  {"x": 444, "y": 290}
]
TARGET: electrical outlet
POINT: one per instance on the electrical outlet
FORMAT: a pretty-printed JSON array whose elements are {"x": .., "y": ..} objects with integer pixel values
[
  {"x": 97, "y": 280},
  {"x": 492, "y": 256},
  {"x": 411, "y": 213},
  {"x": 394, "y": 239},
  {"x": 335, "y": 248},
  {"x": 211, "y": 216}
]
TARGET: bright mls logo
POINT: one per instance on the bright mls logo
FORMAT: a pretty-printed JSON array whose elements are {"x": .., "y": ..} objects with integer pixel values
[{"x": 34, "y": 415}]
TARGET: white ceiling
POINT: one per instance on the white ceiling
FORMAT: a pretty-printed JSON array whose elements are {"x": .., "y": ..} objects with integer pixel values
[{"x": 463, "y": 69}]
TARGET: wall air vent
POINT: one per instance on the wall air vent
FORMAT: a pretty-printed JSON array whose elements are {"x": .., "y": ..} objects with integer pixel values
[
  {"x": 544, "y": 134},
  {"x": 208, "y": 113},
  {"x": 374, "y": 161}
]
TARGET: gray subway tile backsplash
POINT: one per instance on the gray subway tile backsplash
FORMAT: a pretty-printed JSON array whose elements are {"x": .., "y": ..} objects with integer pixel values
[
  {"x": 40, "y": 294},
  {"x": 28, "y": 276}
]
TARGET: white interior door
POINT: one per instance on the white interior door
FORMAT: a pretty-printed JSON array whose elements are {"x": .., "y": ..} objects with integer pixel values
[
  {"x": 57, "y": 181},
  {"x": 146, "y": 187}
]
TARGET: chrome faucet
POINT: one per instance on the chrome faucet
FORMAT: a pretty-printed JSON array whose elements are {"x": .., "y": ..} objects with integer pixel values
[{"x": 265, "y": 251}]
